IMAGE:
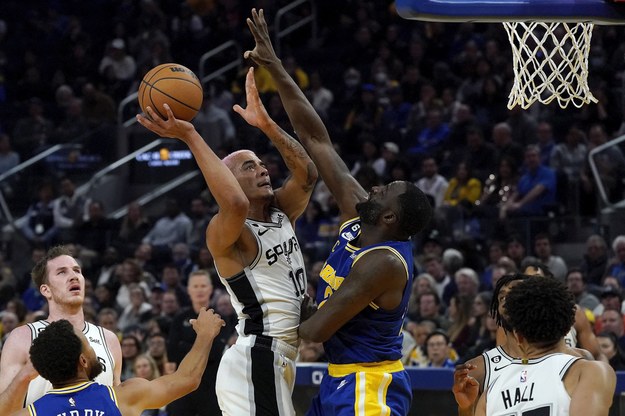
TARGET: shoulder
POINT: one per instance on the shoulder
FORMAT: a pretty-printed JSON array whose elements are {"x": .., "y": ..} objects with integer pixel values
[
  {"x": 20, "y": 338},
  {"x": 109, "y": 336}
]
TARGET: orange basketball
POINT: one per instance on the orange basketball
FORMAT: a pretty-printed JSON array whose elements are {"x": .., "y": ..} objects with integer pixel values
[{"x": 175, "y": 85}]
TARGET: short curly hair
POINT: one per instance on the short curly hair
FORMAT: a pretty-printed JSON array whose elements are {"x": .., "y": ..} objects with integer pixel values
[
  {"x": 541, "y": 310},
  {"x": 505, "y": 280},
  {"x": 55, "y": 352}
]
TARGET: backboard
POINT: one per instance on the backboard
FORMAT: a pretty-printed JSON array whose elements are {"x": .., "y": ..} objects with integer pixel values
[{"x": 497, "y": 11}]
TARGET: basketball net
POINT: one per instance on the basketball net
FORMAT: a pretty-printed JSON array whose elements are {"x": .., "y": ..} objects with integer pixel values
[{"x": 550, "y": 62}]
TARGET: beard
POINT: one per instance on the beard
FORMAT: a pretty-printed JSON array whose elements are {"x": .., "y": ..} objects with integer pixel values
[
  {"x": 95, "y": 370},
  {"x": 369, "y": 211}
]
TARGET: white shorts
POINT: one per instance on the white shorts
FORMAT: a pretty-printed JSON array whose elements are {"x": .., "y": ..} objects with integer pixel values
[{"x": 256, "y": 377}]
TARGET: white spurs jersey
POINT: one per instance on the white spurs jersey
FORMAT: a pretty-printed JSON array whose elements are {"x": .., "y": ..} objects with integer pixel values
[
  {"x": 535, "y": 388},
  {"x": 495, "y": 358},
  {"x": 267, "y": 294},
  {"x": 95, "y": 335}
]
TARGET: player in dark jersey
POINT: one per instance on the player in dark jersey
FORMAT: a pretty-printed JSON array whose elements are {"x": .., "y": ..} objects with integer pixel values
[
  {"x": 365, "y": 284},
  {"x": 62, "y": 355}
]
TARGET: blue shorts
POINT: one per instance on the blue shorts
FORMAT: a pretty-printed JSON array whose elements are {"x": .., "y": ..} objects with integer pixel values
[{"x": 357, "y": 389}]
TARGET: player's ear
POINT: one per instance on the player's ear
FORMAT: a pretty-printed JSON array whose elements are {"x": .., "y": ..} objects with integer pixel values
[
  {"x": 44, "y": 289},
  {"x": 84, "y": 362},
  {"x": 389, "y": 217}
]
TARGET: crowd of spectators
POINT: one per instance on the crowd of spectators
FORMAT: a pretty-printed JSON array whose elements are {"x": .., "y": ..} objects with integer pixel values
[{"x": 401, "y": 99}]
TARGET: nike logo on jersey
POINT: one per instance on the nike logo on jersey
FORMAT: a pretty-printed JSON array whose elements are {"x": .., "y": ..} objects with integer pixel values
[
  {"x": 261, "y": 232},
  {"x": 341, "y": 384},
  {"x": 501, "y": 368}
]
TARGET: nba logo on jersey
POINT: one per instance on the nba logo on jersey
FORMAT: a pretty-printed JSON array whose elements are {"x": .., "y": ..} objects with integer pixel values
[
  {"x": 523, "y": 376},
  {"x": 72, "y": 402}
]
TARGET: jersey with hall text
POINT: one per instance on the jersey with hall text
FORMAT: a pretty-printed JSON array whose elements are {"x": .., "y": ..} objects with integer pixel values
[
  {"x": 267, "y": 295},
  {"x": 95, "y": 335},
  {"x": 84, "y": 399},
  {"x": 535, "y": 388},
  {"x": 374, "y": 334}
]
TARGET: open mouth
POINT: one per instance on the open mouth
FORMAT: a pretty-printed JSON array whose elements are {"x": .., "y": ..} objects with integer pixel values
[
  {"x": 74, "y": 288},
  {"x": 264, "y": 184}
]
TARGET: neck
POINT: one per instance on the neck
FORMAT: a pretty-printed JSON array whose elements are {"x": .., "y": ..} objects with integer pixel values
[
  {"x": 260, "y": 211},
  {"x": 75, "y": 315},
  {"x": 72, "y": 382},
  {"x": 371, "y": 234}
]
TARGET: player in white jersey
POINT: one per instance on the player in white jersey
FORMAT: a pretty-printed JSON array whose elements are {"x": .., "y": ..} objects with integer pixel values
[
  {"x": 59, "y": 279},
  {"x": 97, "y": 338},
  {"x": 257, "y": 256},
  {"x": 543, "y": 382}
]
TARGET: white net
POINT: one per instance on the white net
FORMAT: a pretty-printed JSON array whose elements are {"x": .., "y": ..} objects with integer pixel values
[{"x": 550, "y": 62}]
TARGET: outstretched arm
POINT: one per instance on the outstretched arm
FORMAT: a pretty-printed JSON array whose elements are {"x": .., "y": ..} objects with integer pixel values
[
  {"x": 307, "y": 123},
  {"x": 586, "y": 339},
  {"x": 292, "y": 198},
  {"x": 136, "y": 395},
  {"x": 227, "y": 225}
]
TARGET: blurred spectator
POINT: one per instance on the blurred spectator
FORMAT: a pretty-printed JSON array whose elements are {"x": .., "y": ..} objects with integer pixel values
[
  {"x": 179, "y": 342},
  {"x": 496, "y": 250},
  {"x": 523, "y": 126},
  {"x": 73, "y": 125},
  {"x": 505, "y": 146},
  {"x": 320, "y": 96},
  {"x": 439, "y": 350},
  {"x": 117, "y": 68},
  {"x": 32, "y": 133},
  {"x": 576, "y": 283},
  {"x": 314, "y": 231},
  {"x": 172, "y": 282},
  {"x": 174, "y": 227},
  {"x": 431, "y": 139},
  {"x": 430, "y": 309},
  {"x": 107, "y": 318},
  {"x": 459, "y": 313},
  {"x": 536, "y": 189},
  {"x": 369, "y": 157},
  {"x": 395, "y": 116},
  {"x": 128, "y": 274},
  {"x": 612, "y": 321},
  {"x": 515, "y": 250},
  {"x": 464, "y": 189},
  {"x": 546, "y": 142},
  {"x": 131, "y": 349},
  {"x": 479, "y": 154},
  {"x": 133, "y": 228},
  {"x": 9, "y": 322},
  {"x": 214, "y": 124},
  {"x": 434, "y": 267},
  {"x": 97, "y": 106},
  {"x": 70, "y": 211},
  {"x": 39, "y": 228},
  {"x": 181, "y": 256},
  {"x": 157, "y": 350},
  {"x": 595, "y": 260},
  {"x": 431, "y": 182},
  {"x": 609, "y": 345},
  {"x": 94, "y": 235},
  {"x": 569, "y": 157},
  {"x": 616, "y": 265},
  {"x": 365, "y": 114},
  {"x": 8, "y": 158},
  {"x": 555, "y": 264},
  {"x": 138, "y": 310}
]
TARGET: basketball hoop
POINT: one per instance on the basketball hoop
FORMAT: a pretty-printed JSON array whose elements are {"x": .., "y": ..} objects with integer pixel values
[{"x": 550, "y": 62}]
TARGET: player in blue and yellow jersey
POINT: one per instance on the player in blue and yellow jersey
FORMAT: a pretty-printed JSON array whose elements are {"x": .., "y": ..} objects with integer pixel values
[
  {"x": 62, "y": 355},
  {"x": 365, "y": 284}
]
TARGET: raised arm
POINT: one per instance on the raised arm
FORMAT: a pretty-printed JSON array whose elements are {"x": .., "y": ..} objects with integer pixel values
[
  {"x": 292, "y": 198},
  {"x": 136, "y": 395},
  {"x": 306, "y": 122},
  {"x": 226, "y": 226}
]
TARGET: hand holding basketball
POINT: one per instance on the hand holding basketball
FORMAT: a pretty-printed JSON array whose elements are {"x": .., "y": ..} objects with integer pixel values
[
  {"x": 174, "y": 85},
  {"x": 167, "y": 126}
]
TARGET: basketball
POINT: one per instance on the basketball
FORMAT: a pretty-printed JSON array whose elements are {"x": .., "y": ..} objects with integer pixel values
[{"x": 175, "y": 85}]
